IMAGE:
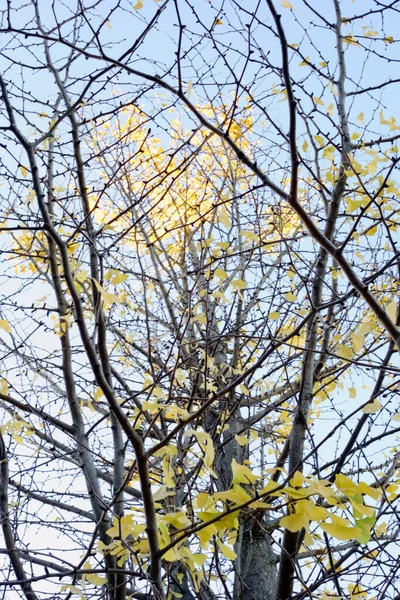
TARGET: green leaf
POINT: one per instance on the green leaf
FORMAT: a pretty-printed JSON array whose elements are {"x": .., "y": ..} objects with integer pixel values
[{"x": 365, "y": 525}]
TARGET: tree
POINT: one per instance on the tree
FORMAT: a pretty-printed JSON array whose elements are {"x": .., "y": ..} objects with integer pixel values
[{"x": 199, "y": 301}]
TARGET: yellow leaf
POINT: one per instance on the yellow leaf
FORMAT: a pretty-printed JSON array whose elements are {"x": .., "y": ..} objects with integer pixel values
[
  {"x": 319, "y": 139},
  {"x": 237, "y": 495},
  {"x": 170, "y": 555},
  {"x": 316, "y": 513},
  {"x": 220, "y": 273},
  {"x": 344, "y": 351},
  {"x": 169, "y": 450},
  {"x": 274, "y": 315},
  {"x": 168, "y": 473},
  {"x": 330, "y": 109},
  {"x": 360, "y": 118},
  {"x": 374, "y": 493},
  {"x": 198, "y": 559},
  {"x": 249, "y": 235},
  {"x": 203, "y": 500},
  {"x": 107, "y": 298},
  {"x": 98, "y": 393},
  {"x": 391, "y": 309},
  {"x": 290, "y": 297},
  {"x": 350, "y": 40},
  {"x": 96, "y": 579},
  {"x": 362, "y": 509},
  {"x": 224, "y": 217},
  {"x": 238, "y": 284},
  {"x": 396, "y": 417},
  {"x": 372, "y": 407},
  {"x": 297, "y": 479},
  {"x": 318, "y": 100},
  {"x": 242, "y": 474},
  {"x": 372, "y": 230},
  {"x": 369, "y": 32},
  {"x": 305, "y": 146},
  {"x": 391, "y": 122},
  {"x": 242, "y": 440},
  {"x": 295, "y": 522},
  {"x": 24, "y": 171},
  {"x": 354, "y": 204},
  {"x": 206, "y": 443},
  {"x": 200, "y": 318},
  {"x": 328, "y": 152},
  {"x": 304, "y": 63},
  {"x": 339, "y": 532},
  {"x": 322, "y": 64},
  {"x": 222, "y": 245},
  {"x": 330, "y": 177},
  {"x": 4, "y": 324},
  {"x": 115, "y": 277},
  {"x": 345, "y": 484},
  {"x": 138, "y": 5},
  {"x": 3, "y": 386},
  {"x": 108, "y": 24},
  {"x": 287, "y": 4},
  {"x": 227, "y": 551},
  {"x": 218, "y": 22},
  {"x": 189, "y": 88},
  {"x": 352, "y": 392}
]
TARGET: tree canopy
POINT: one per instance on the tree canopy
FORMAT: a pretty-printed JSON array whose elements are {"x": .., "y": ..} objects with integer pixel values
[{"x": 199, "y": 300}]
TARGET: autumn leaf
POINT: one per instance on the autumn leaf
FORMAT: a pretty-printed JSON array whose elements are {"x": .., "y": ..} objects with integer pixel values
[
  {"x": 95, "y": 579},
  {"x": 340, "y": 532},
  {"x": 290, "y": 297},
  {"x": 226, "y": 550},
  {"x": 107, "y": 298},
  {"x": 295, "y": 522},
  {"x": 4, "y": 324},
  {"x": 344, "y": 351},
  {"x": 115, "y": 277},
  {"x": 273, "y": 316},
  {"x": 224, "y": 217},
  {"x": 372, "y": 407},
  {"x": 238, "y": 284},
  {"x": 242, "y": 474}
]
